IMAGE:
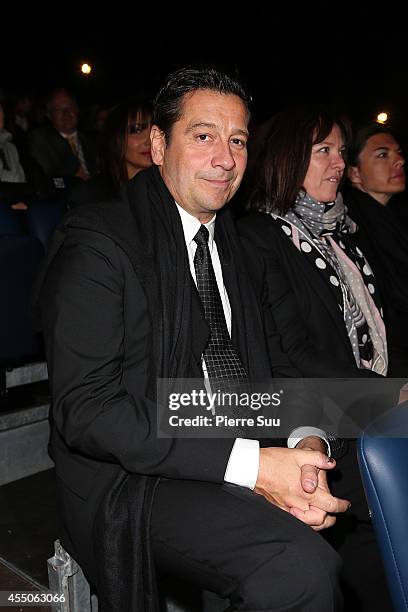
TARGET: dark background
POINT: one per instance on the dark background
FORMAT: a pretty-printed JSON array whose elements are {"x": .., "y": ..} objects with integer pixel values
[{"x": 352, "y": 56}]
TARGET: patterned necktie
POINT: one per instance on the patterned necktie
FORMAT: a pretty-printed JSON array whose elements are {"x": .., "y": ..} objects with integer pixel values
[
  {"x": 77, "y": 151},
  {"x": 220, "y": 357},
  {"x": 73, "y": 144}
]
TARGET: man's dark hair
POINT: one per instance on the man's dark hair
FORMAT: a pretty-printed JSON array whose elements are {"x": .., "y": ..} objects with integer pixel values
[{"x": 167, "y": 107}]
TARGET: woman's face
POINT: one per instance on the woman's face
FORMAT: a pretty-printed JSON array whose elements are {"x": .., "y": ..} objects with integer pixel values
[
  {"x": 138, "y": 154},
  {"x": 380, "y": 171},
  {"x": 326, "y": 167}
]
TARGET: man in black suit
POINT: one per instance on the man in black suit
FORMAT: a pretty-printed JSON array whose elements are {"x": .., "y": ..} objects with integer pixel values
[
  {"x": 120, "y": 309},
  {"x": 60, "y": 149}
]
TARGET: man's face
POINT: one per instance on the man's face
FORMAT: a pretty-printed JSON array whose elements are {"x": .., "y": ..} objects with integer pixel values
[
  {"x": 204, "y": 162},
  {"x": 63, "y": 113}
]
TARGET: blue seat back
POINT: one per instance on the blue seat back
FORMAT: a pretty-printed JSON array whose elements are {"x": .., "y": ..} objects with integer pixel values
[
  {"x": 43, "y": 216},
  {"x": 383, "y": 460},
  {"x": 20, "y": 257},
  {"x": 10, "y": 221}
]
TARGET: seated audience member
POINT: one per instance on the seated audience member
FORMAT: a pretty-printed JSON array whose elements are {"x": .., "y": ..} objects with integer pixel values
[
  {"x": 21, "y": 120},
  {"x": 323, "y": 298},
  {"x": 95, "y": 121},
  {"x": 60, "y": 149},
  {"x": 125, "y": 151},
  {"x": 13, "y": 186},
  {"x": 149, "y": 288},
  {"x": 377, "y": 175}
]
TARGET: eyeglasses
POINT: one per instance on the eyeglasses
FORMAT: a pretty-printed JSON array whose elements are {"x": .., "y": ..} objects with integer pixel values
[{"x": 137, "y": 128}]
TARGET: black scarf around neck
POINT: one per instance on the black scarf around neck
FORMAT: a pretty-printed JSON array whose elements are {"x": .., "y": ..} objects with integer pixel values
[
  {"x": 148, "y": 228},
  {"x": 386, "y": 241},
  {"x": 163, "y": 269}
]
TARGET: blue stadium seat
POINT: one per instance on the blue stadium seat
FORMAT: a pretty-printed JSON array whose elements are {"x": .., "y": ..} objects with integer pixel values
[
  {"x": 43, "y": 216},
  {"x": 10, "y": 221},
  {"x": 19, "y": 260},
  {"x": 383, "y": 460}
]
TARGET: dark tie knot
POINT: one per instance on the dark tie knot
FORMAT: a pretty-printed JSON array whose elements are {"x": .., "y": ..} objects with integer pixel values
[{"x": 201, "y": 237}]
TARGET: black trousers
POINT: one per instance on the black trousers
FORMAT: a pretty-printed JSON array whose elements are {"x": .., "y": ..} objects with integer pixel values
[
  {"x": 363, "y": 580},
  {"x": 231, "y": 541}
]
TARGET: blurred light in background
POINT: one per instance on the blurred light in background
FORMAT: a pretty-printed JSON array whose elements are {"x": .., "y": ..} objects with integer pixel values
[
  {"x": 86, "y": 69},
  {"x": 382, "y": 118}
]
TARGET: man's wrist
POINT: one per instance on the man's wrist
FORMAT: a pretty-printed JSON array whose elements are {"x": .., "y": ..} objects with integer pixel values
[
  {"x": 243, "y": 463},
  {"x": 300, "y": 433}
]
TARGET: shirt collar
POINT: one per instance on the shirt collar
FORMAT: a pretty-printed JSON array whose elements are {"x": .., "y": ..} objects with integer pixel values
[
  {"x": 73, "y": 134},
  {"x": 191, "y": 225}
]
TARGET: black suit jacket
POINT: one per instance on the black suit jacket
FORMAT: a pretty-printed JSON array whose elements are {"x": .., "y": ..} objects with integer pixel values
[
  {"x": 54, "y": 155},
  {"x": 98, "y": 333},
  {"x": 383, "y": 238},
  {"x": 302, "y": 305}
]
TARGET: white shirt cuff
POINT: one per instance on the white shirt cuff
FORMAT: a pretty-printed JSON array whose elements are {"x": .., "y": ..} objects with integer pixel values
[
  {"x": 243, "y": 464},
  {"x": 299, "y": 433}
]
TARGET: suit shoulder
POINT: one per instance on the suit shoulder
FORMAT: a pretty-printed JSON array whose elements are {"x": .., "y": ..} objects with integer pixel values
[
  {"x": 259, "y": 229},
  {"x": 82, "y": 232},
  {"x": 103, "y": 217},
  {"x": 44, "y": 132}
]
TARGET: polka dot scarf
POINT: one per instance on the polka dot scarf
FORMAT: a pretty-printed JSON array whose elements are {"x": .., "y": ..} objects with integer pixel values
[{"x": 322, "y": 233}]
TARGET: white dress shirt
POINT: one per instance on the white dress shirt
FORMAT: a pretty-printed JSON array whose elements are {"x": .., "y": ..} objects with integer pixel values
[{"x": 243, "y": 463}]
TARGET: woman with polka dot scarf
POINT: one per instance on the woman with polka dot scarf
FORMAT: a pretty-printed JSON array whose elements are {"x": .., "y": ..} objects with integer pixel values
[
  {"x": 327, "y": 284},
  {"x": 323, "y": 298}
]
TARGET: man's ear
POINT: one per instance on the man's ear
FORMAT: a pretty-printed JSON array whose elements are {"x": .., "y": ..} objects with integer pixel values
[
  {"x": 158, "y": 145},
  {"x": 354, "y": 175}
]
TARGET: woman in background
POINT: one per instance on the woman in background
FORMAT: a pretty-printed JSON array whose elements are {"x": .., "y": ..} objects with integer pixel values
[
  {"x": 125, "y": 152},
  {"x": 323, "y": 298},
  {"x": 326, "y": 304},
  {"x": 376, "y": 174},
  {"x": 14, "y": 190}
]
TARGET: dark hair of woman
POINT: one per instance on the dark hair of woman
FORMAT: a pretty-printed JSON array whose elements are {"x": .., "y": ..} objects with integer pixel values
[
  {"x": 360, "y": 137},
  {"x": 124, "y": 119},
  {"x": 281, "y": 161}
]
